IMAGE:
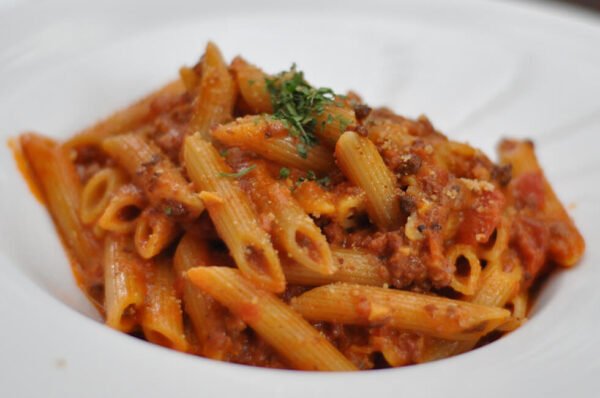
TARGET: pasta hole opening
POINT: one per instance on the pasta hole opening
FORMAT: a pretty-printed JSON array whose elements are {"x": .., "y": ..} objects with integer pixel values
[
  {"x": 129, "y": 213},
  {"x": 491, "y": 242},
  {"x": 463, "y": 267},
  {"x": 256, "y": 259},
  {"x": 144, "y": 232},
  {"x": 146, "y": 239},
  {"x": 355, "y": 218},
  {"x": 510, "y": 306},
  {"x": 129, "y": 316},
  {"x": 308, "y": 246},
  {"x": 159, "y": 338}
]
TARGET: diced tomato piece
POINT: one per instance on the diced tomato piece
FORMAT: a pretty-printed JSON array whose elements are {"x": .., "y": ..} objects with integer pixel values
[
  {"x": 528, "y": 190},
  {"x": 531, "y": 239},
  {"x": 481, "y": 218}
]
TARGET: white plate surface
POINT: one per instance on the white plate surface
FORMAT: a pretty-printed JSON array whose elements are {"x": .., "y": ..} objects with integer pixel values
[{"x": 480, "y": 70}]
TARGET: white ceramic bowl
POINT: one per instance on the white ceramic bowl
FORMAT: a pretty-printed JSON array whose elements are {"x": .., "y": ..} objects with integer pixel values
[{"x": 480, "y": 70}]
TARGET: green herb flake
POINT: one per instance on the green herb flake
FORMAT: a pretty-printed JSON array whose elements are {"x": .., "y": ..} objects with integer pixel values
[
  {"x": 297, "y": 103},
  {"x": 223, "y": 153},
  {"x": 343, "y": 122},
  {"x": 311, "y": 176},
  {"x": 168, "y": 211},
  {"x": 298, "y": 183},
  {"x": 284, "y": 173},
  {"x": 324, "y": 182},
  {"x": 240, "y": 173},
  {"x": 302, "y": 151}
]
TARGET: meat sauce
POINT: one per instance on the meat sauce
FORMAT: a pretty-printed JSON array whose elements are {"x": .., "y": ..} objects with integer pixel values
[{"x": 449, "y": 194}]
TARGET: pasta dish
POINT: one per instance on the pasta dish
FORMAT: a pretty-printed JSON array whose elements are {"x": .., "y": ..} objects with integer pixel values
[{"x": 257, "y": 219}]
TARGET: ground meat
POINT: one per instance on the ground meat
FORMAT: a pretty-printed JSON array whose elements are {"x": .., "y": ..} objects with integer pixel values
[
  {"x": 335, "y": 234},
  {"x": 88, "y": 161},
  {"x": 406, "y": 270},
  {"x": 502, "y": 174},
  {"x": 403, "y": 164},
  {"x": 362, "y": 111},
  {"x": 407, "y": 204},
  {"x": 362, "y": 130},
  {"x": 377, "y": 243}
]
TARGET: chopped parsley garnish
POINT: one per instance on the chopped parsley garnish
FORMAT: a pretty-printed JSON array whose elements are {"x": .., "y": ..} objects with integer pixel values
[
  {"x": 297, "y": 104},
  {"x": 240, "y": 173},
  {"x": 324, "y": 181},
  {"x": 343, "y": 122},
  {"x": 223, "y": 153},
  {"x": 311, "y": 176},
  {"x": 302, "y": 150},
  {"x": 168, "y": 211},
  {"x": 284, "y": 173}
]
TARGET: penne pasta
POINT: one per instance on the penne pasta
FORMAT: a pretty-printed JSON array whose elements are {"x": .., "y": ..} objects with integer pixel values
[
  {"x": 366, "y": 305},
  {"x": 352, "y": 266},
  {"x": 333, "y": 122},
  {"x": 498, "y": 286},
  {"x": 252, "y": 86},
  {"x": 124, "y": 285},
  {"x": 358, "y": 158},
  {"x": 271, "y": 139},
  {"x": 295, "y": 339},
  {"x": 216, "y": 93},
  {"x": 518, "y": 305},
  {"x": 295, "y": 232},
  {"x": 496, "y": 247},
  {"x": 348, "y": 206},
  {"x": 232, "y": 215},
  {"x": 162, "y": 320},
  {"x": 154, "y": 231},
  {"x": 123, "y": 210},
  {"x": 204, "y": 313},
  {"x": 60, "y": 185},
  {"x": 499, "y": 283},
  {"x": 98, "y": 192},
  {"x": 161, "y": 181},
  {"x": 468, "y": 269}
]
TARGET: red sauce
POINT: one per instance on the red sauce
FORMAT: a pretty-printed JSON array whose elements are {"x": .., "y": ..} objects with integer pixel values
[
  {"x": 481, "y": 217},
  {"x": 528, "y": 190}
]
